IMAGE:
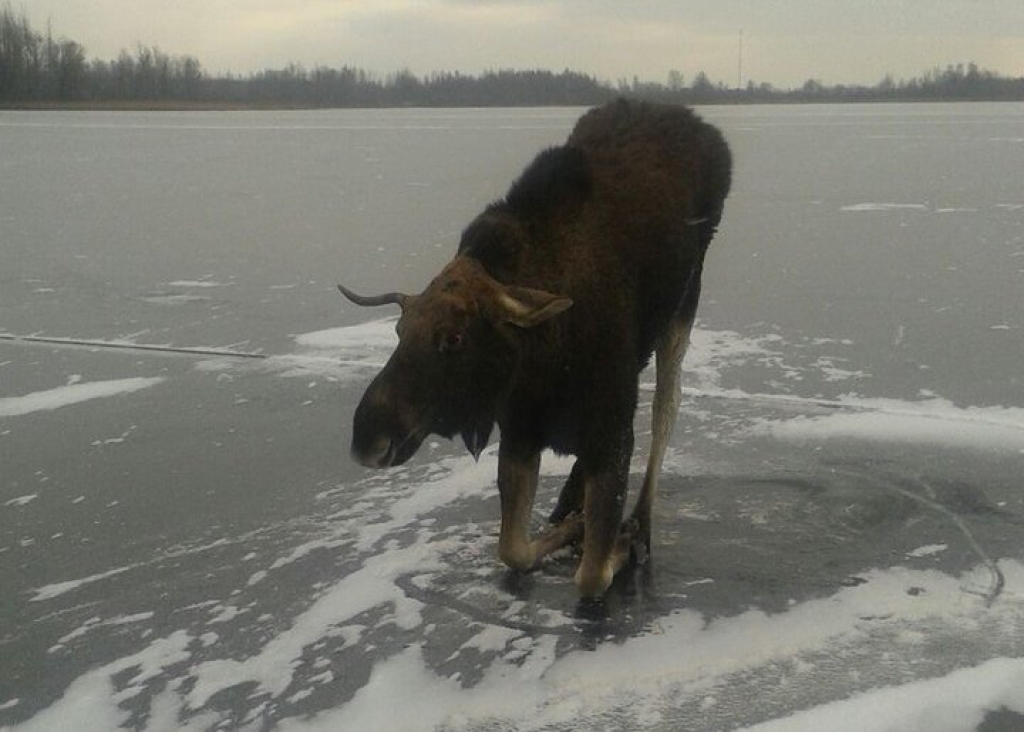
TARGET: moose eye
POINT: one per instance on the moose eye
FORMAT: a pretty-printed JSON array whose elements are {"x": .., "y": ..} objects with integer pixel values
[{"x": 450, "y": 342}]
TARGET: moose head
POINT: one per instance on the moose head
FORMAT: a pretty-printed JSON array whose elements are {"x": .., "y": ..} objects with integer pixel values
[{"x": 457, "y": 352}]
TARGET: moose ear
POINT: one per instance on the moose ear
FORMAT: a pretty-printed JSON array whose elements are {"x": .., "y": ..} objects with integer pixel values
[{"x": 526, "y": 308}]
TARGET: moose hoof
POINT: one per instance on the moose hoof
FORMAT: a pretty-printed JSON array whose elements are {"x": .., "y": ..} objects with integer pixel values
[
  {"x": 571, "y": 527},
  {"x": 634, "y": 540},
  {"x": 520, "y": 557},
  {"x": 640, "y": 552},
  {"x": 593, "y": 583}
]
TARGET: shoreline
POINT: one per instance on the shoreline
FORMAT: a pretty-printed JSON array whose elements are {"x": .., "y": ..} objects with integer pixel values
[{"x": 226, "y": 106}]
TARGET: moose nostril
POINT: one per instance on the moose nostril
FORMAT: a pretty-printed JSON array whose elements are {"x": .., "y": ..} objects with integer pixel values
[{"x": 376, "y": 454}]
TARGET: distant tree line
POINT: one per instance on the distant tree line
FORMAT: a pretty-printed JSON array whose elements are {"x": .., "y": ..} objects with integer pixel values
[
  {"x": 36, "y": 69},
  {"x": 36, "y": 66}
]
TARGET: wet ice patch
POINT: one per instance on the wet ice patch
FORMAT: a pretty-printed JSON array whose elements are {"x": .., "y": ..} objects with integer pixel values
[{"x": 70, "y": 394}]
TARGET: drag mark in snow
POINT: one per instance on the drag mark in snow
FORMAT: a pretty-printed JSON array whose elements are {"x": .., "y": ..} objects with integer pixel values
[
  {"x": 998, "y": 578},
  {"x": 128, "y": 345},
  {"x": 64, "y": 396}
]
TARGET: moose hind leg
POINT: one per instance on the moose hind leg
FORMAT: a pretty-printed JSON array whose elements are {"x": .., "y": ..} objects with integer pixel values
[
  {"x": 669, "y": 355},
  {"x": 570, "y": 500}
]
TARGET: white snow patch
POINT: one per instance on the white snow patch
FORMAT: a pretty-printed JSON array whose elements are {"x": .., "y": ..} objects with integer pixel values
[
  {"x": 368, "y": 587},
  {"x": 686, "y": 656},
  {"x": 422, "y": 703},
  {"x": 862, "y": 207},
  {"x": 96, "y": 622},
  {"x": 198, "y": 283},
  {"x": 48, "y": 592},
  {"x": 171, "y": 299},
  {"x": 929, "y": 550},
  {"x": 22, "y": 500},
  {"x": 63, "y": 396},
  {"x": 830, "y": 372},
  {"x": 711, "y": 349},
  {"x": 90, "y": 704},
  {"x": 335, "y": 354},
  {"x": 224, "y": 614},
  {"x": 954, "y": 703},
  {"x": 492, "y": 638},
  {"x": 368, "y": 336},
  {"x": 929, "y": 421}
]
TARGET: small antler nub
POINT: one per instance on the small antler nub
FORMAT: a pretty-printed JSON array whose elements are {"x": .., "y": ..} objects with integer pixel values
[{"x": 388, "y": 298}]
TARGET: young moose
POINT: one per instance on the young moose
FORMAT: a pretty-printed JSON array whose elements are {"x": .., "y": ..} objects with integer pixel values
[{"x": 543, "y": 321}]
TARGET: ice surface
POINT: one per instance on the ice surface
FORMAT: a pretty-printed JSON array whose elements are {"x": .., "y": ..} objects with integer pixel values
[
  {"x": 837, "y": 540},
  {"x": 684, "y": 661}
]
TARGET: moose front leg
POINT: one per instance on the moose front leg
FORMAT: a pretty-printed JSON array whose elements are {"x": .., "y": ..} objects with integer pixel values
[{"x": 518, "y": 472}]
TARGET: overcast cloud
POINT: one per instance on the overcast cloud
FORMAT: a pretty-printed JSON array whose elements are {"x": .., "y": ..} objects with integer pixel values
[{"x": 784, "y": 42}]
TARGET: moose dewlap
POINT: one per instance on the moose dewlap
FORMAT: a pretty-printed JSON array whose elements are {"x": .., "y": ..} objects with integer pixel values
[{"x": 554, "y": 303}]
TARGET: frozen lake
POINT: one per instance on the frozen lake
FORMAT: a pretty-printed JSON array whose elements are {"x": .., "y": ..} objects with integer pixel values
[{"x": 185, "y": 544}]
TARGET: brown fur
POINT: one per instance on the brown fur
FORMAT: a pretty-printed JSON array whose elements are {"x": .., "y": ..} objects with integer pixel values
[{"x": 556, "y": 300}]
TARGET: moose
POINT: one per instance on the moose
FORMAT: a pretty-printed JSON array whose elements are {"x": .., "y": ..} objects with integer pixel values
[{"x": 555, "y": 301}]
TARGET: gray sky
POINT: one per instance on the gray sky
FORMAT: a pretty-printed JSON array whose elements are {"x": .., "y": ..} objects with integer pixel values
[{"x": 784, "y": 42}]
